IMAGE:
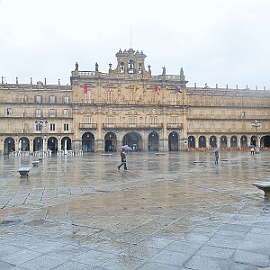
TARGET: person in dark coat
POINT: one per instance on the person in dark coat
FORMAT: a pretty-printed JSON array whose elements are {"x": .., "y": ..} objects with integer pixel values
[
  {"x": 123, "y": 160},
  {"x": 216, "y": 157}
]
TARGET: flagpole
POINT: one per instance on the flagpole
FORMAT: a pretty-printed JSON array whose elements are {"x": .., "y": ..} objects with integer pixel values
[{"x": 130, "y": 35}]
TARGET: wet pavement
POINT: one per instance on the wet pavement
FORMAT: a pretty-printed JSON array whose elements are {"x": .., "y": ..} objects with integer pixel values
[{"x": 172, "y": 211}]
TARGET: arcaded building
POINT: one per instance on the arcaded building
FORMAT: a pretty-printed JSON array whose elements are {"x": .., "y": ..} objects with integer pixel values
[{"x": 127, "y": 105}]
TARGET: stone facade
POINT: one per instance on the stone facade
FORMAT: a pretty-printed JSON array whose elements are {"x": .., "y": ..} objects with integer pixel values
[{"x": 128, "y": 105}]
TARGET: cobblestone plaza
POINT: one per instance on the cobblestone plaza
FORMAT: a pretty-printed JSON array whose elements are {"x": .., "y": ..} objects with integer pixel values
[{"x": 170, "y": 211}]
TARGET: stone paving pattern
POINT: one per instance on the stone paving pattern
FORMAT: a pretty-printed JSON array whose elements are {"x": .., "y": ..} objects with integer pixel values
[{"x": 177, "y": 211}]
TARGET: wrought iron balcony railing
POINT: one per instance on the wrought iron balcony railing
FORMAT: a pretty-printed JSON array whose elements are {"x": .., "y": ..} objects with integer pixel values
[
  {"x": 132, "y": 126},
  {"x": 88, "y": 125}
]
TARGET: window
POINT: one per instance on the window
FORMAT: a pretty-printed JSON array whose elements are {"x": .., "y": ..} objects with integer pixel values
[
  {"x": 153, "y": 121},
  {"x": 9, "y": 127},
  {"x": 65, "y": 99},
  {"x": 140, "y": 68},
  {"x": 173, "y": 98},
  {"x": 38, "y": 127},
  {"x": 24, "y": 99},
  {"x": 52, "y": 127},
  {"x": 66, "y": 112},
  {"x": 110, "y": 96},
  {"x": 87, "y": 119},
  {"x": 122, "y": 67},
  {"x": 52, "y": 99},
  {"x": 38, "y": 112},
  {"x": 52, "y": 112},
  {"x": 66, "y": 127},
  {"x": 131, "y": 66},
  {"x": 110, "y": 121},
  {"x": 38, "y": 99},
  {"x": 9, "y": 111},
  {"x": 174, "y": 119},
  {"x": 132, "y": 121}
]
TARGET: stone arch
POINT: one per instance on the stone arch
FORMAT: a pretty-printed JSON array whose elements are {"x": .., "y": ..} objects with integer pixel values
[
  {"x": 233, "y": 141},
  {"x": 37, "y": 144},
  {"x": 66, "y": 144},
  {"x": 52, "y": 144},
  {"x": 265, "y": 141},
  {"x": 202, "y": 142},
  {"x": 173, "y": 141},
  {"x": 88, "y": 142},
  {"x": 213, "y": 141},
  {"x": 110, "y": 142},
  {"x": 133, "y": 140},
  {"x": 153, "y": 141},
  {"x": 9, "y": 145},
  {"x": 24, "y": 144},
  {"x": 223, "y": 141},
  {"x": 243, "y": 141},
  {"x": 191, "y": 142}
]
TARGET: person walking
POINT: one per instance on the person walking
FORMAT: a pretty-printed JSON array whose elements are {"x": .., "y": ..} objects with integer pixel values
[
  {"x": 252, "y": 150},
  {"x": 123, "y": 160},
  {"x": 216, "y": 157}
]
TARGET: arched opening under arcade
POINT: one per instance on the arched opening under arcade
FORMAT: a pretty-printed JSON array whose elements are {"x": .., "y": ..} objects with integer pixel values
[
  {"x": 37, "y": 144},
  {"x": 223, "y": 141},
  {"x": 265, "y": 141},
  {"x": 110, "y": 142},
  {"x": 9, "y": 145},
  {"x": 202, "y": 142},
  {"x": 52, "y": 145},
  {"x": 173, "y": 141},
  {"x": 233, "y": 142},
  {"x": 66, "y": 144},
  {"x": 213, "y": 141},
  {"x": 253, "y": 140},
  {"x": 191, "y": 142},
  {"x": 153, "y": 141},
  {"x": 88, "y": 140},
  {"x": 133, "y": 140},
  {"x": 24, "y": 144},
  {"x": 243, "y": 141}
]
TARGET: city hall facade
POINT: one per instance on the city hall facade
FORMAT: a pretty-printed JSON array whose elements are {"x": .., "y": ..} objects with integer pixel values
[{"x": 100, "y": 112}]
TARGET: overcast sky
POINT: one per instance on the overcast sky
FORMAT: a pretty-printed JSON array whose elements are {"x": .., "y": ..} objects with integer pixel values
[{"x": 215, "y": 41}]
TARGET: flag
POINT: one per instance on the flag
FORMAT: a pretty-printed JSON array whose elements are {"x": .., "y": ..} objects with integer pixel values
[
  {"x": 85, "y": 89},
  {"x": 135, "y": 88},
  {"x": 177, "y": 90},
  {"x": 157, "y": 90},
  {"x": 110, "y": 89}
]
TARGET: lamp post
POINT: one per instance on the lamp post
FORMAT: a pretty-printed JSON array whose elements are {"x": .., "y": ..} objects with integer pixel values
[
  {"x": 256, "y": 124},
  {"x": 39, "y": 126}
]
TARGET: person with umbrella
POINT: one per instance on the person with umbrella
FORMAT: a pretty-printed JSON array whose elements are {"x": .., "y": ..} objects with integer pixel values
[
  {"x": 123, "y": 160},
  {"x": 252, "y": 149},
  {"x": 216, "y": 152}
]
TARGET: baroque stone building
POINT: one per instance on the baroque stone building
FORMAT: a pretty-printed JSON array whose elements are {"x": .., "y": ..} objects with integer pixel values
[{"x": 129, "y": 106}]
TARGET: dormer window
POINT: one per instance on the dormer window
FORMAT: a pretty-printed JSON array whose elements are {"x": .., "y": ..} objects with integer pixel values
[{"x": 131, "y": 67}]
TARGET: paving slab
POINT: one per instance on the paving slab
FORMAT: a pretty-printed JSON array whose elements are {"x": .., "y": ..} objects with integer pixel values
[{"x": 173, "y": 211}]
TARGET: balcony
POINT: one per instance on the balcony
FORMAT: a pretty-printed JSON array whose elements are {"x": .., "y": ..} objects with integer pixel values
[
  {"x": 132, "y": 126},
  {"x": 87, "y": 125},
  {"x": 174, "y": 126}
]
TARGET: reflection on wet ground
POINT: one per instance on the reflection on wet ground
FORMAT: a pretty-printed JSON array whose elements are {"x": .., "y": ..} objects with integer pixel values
[{"x": 172, "y": 211}]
